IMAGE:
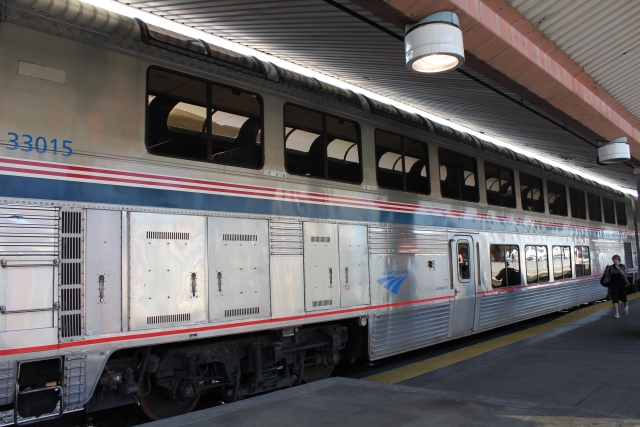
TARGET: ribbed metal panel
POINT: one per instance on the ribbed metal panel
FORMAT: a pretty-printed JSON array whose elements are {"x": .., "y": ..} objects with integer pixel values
[
  {"x": 285, "y": 237},
  {"x": 401, "y": 331},
  {"x": 502, "y": 308},
  {"x": 600, "y": 36},
  {"x": 406, "y": 240},
  {"x": 323, "y": 38},
  {"x": 28, "y": 230}
]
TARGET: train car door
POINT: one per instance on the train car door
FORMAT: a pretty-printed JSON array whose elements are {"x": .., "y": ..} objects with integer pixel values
[
  {"x": 321, "y": 264},
  {"x": 463, "y": 273}
]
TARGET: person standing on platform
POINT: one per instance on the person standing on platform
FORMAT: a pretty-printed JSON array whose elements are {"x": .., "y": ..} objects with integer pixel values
[{"x": 615, "y": 278}]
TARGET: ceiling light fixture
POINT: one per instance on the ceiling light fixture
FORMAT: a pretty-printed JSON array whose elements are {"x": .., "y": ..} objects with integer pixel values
[
  {"x": 434, "y": 44},
  {"x": 615, "y": 151}
]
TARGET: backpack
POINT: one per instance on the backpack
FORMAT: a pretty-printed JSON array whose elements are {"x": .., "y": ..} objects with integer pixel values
[{"x": 606, "y": 277}]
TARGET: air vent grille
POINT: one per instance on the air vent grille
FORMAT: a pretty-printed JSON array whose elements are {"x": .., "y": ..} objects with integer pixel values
[
  {"x": 241, "y": 311},
  {"x": 169, "y": 318},
  {"x": 71, "y": 248},
  {"x": 70, "y": 299},
  {"x": 240, "y": 237},
  {"x": 167, "y": 235},
  {"x": 70, "y": 325},
  {"x": 71, "y": 222},
  {"x": 322, "y": 303},
  {"x": 70, "y": 292},
  {"x": 70, "y": 273},
  {"x": 320, "y": 239}
]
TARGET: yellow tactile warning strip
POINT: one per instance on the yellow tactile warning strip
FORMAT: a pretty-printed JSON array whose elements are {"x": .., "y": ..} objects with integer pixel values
[{"x": 420, "y": 368}]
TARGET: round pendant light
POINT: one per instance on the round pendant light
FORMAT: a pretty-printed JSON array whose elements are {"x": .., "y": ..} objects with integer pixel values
[
  {"x": 615, "y": 151},
  {"x": 434, "y": 44}
]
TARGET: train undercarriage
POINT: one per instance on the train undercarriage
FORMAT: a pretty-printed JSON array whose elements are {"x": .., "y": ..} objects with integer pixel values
[{"x": 168, "y": 380}]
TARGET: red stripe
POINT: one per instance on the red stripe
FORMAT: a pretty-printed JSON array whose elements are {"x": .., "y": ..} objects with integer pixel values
[
  {"x": 211, "y": 327},
  {"x": 265, "y": 192}
]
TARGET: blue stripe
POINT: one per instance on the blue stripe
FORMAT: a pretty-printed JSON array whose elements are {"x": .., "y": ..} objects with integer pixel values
[{"x": 73, "y": 191}]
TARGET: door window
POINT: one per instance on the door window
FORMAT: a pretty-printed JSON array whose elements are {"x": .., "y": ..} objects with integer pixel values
[{"x": 464, "y": 261}]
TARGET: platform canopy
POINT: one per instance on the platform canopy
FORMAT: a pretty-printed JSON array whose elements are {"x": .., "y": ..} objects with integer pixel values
[{"x": 554, "y": 76}]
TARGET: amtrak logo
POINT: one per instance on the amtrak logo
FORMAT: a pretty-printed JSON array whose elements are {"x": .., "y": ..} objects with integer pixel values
[{"x": 392, "y": 280}]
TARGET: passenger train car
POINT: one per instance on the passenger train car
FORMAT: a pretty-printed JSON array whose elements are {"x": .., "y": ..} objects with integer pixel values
[{"x": 176, "y": 218}]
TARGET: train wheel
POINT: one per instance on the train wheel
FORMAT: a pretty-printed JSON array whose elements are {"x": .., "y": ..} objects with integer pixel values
[
  {"x": 156, "y": 405},
  {"x": 316, "y": 373}
]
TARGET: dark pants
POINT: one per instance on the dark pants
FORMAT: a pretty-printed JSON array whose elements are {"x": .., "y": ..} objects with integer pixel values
[{"x": 618, "y": 294}]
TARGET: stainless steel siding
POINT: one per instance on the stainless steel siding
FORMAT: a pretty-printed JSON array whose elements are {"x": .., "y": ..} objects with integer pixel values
[
  {"x": 400, "y": 331},
  {"x": 502, "y": 308}
]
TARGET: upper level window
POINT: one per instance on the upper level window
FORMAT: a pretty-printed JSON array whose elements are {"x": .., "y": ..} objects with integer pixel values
[
  {"x": 531, "y": 193},
  {"x": 402, "y": 163},
  {"x": 561, "y": 262},
  {"x": 578, "y": 205},
  {"x": 595, "y": 207},
  {"x": 582, "y": 261},
  {"x": 198, "y": 120},
  {"x": 621, "y": 213},
  {"x": 609, "y": 211},
  {"x": 458, "y": 176},
  {"x": 537, "y": 263},
  {"x": 321, "y": 146},
  {"x": 500, "y": 186},
  {"x": 557, "y": 197},
  {"x": 505, "y": 265}
]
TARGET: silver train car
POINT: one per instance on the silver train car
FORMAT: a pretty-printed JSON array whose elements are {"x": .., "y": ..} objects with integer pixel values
[{"x": 178, "y": 219}]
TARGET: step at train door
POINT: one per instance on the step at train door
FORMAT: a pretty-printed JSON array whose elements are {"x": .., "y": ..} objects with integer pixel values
[
  {"x": 463, "y": 280},
  {"x": 321, "y": 266}
]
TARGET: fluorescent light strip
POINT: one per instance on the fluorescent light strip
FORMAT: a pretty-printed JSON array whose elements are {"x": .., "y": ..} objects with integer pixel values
[{"x": 150, "y": 18}]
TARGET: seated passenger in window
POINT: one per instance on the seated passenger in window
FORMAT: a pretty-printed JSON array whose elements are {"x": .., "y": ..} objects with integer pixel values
[{"x": 508, "y": 276}]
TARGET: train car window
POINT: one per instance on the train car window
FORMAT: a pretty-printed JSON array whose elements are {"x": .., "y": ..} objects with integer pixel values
[
  {"x": 505, "y": 265},
  {"x": 500, "y": 185},
  {"x": 321, "y": 146},
  {"x": 531, "y": 193},
  {"x": 537, "y": 264},
  {"x": 561, "y": 262},
  {"x": 621, "y": 213},
  {"x": 582, "y": 261},
  {"x": 557, "y": 198},
  {"x": 198, "y": 120},
  {"x": 595, "y": 208},
  {"x": 403, "y": 163},
  {"x": 608, "y": 210},
  {"x": 578, "y": 205},
  {"x": 458, "y": 176}
]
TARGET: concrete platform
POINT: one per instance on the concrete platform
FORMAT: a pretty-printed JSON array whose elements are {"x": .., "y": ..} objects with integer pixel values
[{"x": 581, "y": 373}]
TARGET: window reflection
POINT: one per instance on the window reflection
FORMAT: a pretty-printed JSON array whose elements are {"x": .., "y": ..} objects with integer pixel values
[{"x": 505, "y": 265}]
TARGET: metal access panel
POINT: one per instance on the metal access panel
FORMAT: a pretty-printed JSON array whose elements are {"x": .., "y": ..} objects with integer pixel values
[
  {"x": 103, "y": 278},
  {"x": 29, "y": 301},
  {"x": 321, "y": 264},
  {"x": 167, "y": 270},
  {"x": 354, "y": 265},
  {"x": 238, "y": 268}
]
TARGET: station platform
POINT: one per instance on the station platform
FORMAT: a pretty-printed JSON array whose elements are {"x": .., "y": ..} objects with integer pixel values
[{"x": 580, "y": 369}]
